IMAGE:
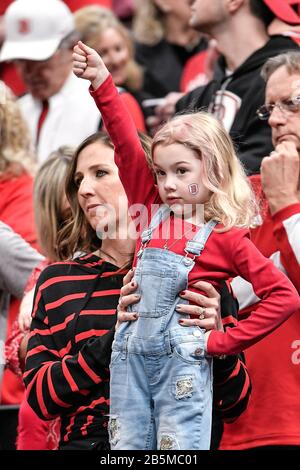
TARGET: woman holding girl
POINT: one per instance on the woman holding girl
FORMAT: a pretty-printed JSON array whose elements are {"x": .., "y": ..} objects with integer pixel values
[
  {"x": 73, "y": 320},
  {"x": 201, "y": 193}
]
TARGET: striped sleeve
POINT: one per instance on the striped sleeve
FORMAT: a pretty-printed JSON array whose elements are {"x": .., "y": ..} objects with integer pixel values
[
  {"x": 55, "y": 381},
  {"x": 232, "y": 385}
]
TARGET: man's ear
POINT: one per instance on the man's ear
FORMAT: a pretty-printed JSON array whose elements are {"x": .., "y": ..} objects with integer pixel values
[
  {"x": 163, "y": 5},
  {"x": 235, "y": 5}
]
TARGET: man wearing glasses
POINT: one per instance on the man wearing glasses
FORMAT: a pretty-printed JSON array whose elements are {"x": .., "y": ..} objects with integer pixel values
[{"x": 273, "y": 414}]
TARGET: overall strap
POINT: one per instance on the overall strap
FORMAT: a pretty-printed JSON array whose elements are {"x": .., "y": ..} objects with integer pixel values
[
  {"x": 160, "y": 215},
  {"x": 196, "y": 246}
]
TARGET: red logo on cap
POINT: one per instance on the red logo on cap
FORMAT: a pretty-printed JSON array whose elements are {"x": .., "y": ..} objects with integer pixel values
[{"x": 24, "y": 26}]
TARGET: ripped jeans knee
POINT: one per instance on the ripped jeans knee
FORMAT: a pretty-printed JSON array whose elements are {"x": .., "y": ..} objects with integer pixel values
[
  {"x": 114, "y": 430},
  {"x": 168, "y": 441},
  {"x": 183, "y": 387}
]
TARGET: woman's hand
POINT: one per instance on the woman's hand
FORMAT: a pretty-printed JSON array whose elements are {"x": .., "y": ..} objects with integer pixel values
[
  {"x": 127, "y": 297},
  {"x": 88, "y": 64},
  {"x": 207, "y": 307}
]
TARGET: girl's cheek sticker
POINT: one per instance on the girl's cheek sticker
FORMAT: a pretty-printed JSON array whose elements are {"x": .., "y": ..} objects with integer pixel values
[{"x": 193, "y": 189}]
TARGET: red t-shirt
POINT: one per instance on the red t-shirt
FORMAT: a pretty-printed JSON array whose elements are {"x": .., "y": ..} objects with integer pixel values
[{"x": 273, "y": 414}]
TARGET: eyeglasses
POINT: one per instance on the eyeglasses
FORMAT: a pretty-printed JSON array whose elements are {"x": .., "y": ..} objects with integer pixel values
[{"x": 289, "y": 106}]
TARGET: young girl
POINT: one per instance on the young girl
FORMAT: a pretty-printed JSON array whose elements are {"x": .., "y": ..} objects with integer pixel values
[{"x": 161, "y": 372}]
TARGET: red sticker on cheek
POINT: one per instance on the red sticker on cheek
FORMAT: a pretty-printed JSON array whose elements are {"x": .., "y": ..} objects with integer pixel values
[{"x": 193, "y": 189}]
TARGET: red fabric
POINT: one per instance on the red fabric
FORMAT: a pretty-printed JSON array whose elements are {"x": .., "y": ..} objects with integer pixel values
[
  {"x": 135, "y": 111},
  {"x": 123, "y": 8},
  {"x": 76, "y": 4},
  {"x": 273, "y": 414},
  {"x": 12, "y": 346},
  {"x": 16, "y": 206},
  {"x": 42, "y": 118},
  {"x": 10, "y": 76},
  {"x": 286, "y": 10},
  {"x": 34, "y": 433},
  {"x": 3, "y": 5},
  {"x": 226, "y": 254},
  {"x": 12, "y": 387},
  {"x": 193, "y": 74},
  {"x": 16, "y": 210},
  {"x": 72, "y": 4}
]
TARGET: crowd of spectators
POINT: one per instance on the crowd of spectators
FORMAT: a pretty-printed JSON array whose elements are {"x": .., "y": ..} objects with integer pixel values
[{"x": 239, "y": 61}]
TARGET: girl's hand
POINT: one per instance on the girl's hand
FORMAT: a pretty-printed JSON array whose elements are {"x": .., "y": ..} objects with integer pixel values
[
  {"x": 127, "y": 297},
  {"x": 88, "y": 64},
  {"x": 207, "y": 308}
]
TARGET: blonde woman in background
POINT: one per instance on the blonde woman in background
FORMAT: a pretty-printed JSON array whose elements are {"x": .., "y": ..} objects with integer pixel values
[
  {"x": 51, "y": 213},
  {"x": 164, "y": 43},
  {"x": 103, "y": 31}
]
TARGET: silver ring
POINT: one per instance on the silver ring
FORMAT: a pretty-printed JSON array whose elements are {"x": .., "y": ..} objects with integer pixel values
[{"x": 202, "y": 314}]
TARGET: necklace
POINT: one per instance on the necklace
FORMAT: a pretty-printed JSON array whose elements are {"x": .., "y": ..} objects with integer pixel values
[{"x": 185, "y": 233}]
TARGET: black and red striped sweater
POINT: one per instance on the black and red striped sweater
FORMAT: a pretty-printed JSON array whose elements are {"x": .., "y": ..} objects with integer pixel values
[{"x": 68, "y": 355}]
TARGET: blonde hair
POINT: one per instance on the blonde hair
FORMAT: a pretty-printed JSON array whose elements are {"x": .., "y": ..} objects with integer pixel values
[
  {"x": 88, "y": 20},
  {"x": 148, "y": 25},
  {"x": 232, "y": 200},
  {"x": 49, "y": 200},
  {"x": 91, "y": 22},
  {"x": 16, "y": 154}
]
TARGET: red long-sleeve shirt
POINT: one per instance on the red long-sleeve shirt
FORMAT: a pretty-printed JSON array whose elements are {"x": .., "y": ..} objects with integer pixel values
[{"x": 226, "y": 255}]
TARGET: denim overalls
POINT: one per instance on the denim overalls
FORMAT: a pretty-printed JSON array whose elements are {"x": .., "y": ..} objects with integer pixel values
[{"x": 161, "y": 380}]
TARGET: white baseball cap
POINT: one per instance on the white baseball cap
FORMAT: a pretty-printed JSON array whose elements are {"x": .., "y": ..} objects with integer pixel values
[{"x": 35, "y": 28}]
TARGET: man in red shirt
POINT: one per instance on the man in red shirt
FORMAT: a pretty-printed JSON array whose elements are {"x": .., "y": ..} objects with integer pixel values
[{"x": 273, "y": 415}]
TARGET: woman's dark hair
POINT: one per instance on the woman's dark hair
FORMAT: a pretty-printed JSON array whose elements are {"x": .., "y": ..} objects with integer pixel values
[
  {"x": 261, "y": 11},
  {"x": 78, "y": 235}
]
